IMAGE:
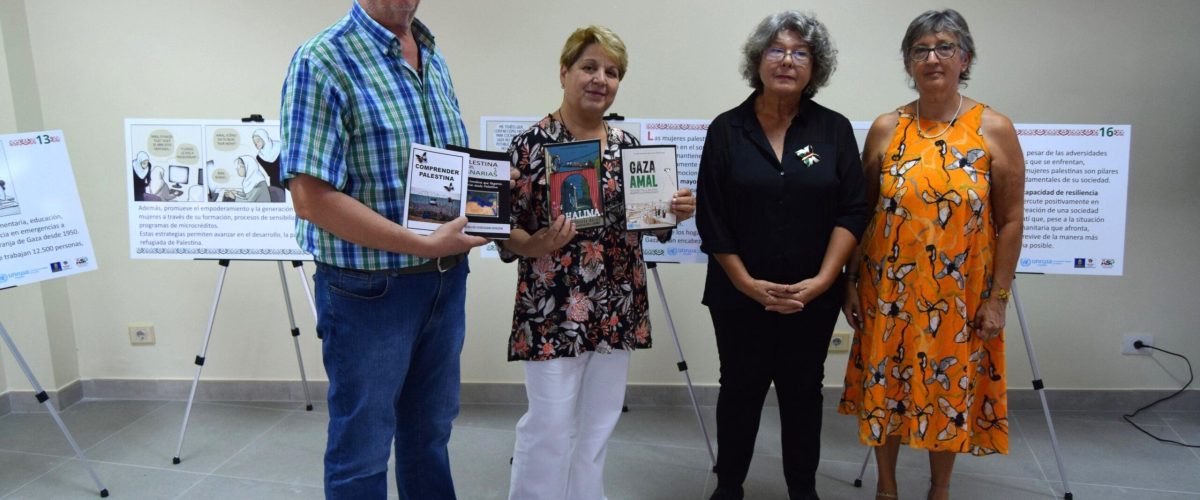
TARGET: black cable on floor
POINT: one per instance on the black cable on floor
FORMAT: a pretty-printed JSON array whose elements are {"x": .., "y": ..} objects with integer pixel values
[{"x": 1191, "y": 376}]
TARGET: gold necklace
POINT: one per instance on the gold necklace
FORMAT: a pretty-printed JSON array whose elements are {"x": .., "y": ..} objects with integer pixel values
[{"x": 921, "y": 130}]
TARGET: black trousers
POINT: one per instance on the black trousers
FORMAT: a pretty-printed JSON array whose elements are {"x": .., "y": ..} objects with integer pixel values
[{"x": 756, "y": 348}]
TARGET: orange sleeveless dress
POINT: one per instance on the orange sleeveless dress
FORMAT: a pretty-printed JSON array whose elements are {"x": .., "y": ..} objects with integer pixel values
[{"x": 918, "y": 371}]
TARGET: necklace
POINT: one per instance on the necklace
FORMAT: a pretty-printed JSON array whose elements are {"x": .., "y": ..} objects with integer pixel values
[
  {"x": 921, "y": 130},
  {"x": 563, "y": 121}
]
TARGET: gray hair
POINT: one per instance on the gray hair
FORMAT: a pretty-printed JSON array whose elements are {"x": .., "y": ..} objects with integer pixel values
[
  {"x": 809, "y": 29},
  {"x": 941, "y": 21}
]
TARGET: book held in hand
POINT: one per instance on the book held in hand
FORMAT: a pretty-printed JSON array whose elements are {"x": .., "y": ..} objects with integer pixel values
[
  {"x": 573, "y": 175},
  {"x": 488, "y": 199},
  {"x": 436, "y": 183},
  {"x": 651, "y": 180}
]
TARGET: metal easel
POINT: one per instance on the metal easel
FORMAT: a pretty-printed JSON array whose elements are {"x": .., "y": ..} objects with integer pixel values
[
  {"x": 682, "y": 364},
  {"x": 44, "y": 400},
  {"x": 287, "y": 300}
]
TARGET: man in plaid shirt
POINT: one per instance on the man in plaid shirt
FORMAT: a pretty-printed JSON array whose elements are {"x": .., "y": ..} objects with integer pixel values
[{"x": 390, "y": 303}]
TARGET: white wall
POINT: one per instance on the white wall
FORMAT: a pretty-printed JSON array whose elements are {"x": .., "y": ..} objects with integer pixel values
[
  {"x": 1063, "y": 62},
  {"x": 8, "y": 125}
]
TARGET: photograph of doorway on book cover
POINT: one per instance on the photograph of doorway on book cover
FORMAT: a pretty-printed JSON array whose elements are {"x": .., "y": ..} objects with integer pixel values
[{"x": 574, "y": 179}]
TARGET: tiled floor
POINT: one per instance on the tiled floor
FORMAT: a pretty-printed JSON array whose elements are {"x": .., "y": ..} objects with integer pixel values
[{"x": 273, "y": 450}]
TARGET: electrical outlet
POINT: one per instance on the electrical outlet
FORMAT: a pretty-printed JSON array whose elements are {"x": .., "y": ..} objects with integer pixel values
[
  {"x": 1130, "y": 338},
  {"x": 141, "y": 334},
  {"x": 840, "y": 342}
]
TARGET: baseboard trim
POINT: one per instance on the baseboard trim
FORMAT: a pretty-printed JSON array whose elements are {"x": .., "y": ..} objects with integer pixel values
[
  {"x": 514, "y": 393},
  {"x": 26, "y": 401}
]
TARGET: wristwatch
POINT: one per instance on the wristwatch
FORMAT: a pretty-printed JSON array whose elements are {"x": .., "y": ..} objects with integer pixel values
[{"x": 1003, "y": 294}]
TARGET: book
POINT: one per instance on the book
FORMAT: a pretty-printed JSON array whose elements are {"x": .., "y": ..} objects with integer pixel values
[
  {"x": 573, "y": 175},
  {"x": 436, "y": 183},
  {"x": 651, "y": 180},
  {"x": 488, "y": 200}
]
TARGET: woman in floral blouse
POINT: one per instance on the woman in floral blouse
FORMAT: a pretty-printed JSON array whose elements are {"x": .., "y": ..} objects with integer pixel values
[{"x": 581, "y": 303}]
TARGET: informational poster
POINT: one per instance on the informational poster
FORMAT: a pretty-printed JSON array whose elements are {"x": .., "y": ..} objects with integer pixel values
[
  {"x": 207, "y": 189},
  {"x": 43, "y": 234},
  {"x": 1076, "y": 184}
]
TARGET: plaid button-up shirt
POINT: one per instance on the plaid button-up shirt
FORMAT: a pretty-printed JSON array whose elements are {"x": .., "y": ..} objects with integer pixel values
[{"x": 352, "y": 108}]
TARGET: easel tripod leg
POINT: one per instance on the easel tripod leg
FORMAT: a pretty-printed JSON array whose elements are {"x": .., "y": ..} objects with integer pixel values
[
  {"x": 287, "y": 300},
  {"x": 45, "y": 401},
  {"x": 312, "y": 304},
  {"x": 682, "y": 365},
  {"x": 187, "y": 413},
  {"x": 1039, "y": 387}
]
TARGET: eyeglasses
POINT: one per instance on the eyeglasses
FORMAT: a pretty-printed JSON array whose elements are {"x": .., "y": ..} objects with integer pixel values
[
  {"x": 775, "y": 54},
  {"x": 918, "y": 53}
]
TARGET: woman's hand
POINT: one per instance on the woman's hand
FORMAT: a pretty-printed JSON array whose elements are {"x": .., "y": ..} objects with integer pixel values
[
  {"x": 683, "y": 204},
  {"x": 799, "y": 293},
  {"x": 852, "y": 307},
  {"x": 989, "y": 318},
  {"x": 549, "y": 238},
  {"x": 773, "y": 296}
]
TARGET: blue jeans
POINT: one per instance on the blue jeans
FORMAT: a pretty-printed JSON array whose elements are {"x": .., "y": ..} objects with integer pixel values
[{"x": 391, "y": 350}]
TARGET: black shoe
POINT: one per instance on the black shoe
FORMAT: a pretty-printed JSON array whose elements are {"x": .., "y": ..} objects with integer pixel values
[{"x": 728, "y": 493}]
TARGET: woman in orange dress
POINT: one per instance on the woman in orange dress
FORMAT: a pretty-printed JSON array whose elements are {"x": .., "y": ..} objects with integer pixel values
[{"x": 935, "y": 265}]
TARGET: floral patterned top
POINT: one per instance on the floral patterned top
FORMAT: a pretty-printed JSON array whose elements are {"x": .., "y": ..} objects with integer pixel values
[{"x": 589, "y": 295}]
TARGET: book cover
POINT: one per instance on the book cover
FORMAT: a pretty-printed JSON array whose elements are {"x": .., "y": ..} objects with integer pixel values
[
  {"x": 488, "y": 200},
  {"x": 573, "y": 175},
  {"x": 436, "y": 184},
  {"x": 651, "y": 180}
]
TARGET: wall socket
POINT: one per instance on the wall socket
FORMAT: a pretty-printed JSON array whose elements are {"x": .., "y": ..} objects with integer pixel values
[
  {"x": 840, "y": 342},
  {"x": 141, "y": 334},
  {"x": 1128, "y": 340}
]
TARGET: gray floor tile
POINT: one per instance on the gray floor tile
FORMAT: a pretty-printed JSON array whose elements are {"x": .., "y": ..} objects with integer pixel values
[
  {"x": 666, "y": 425},
  {"x": 1143, "y": 418},
  {"x": 71, "y": 480},
  {"x": 225, "y": 488},
  {"x": 17, "y": 469},
  {"x": 479, "y": 462},
  {"x": 88, "y": 421},
  {"x": 489, "y": 416},
  {"x": 644, "y": 471},
  {"x": 1186, "y": 424},
  {"x": 1104, "y": 453},
  {"x": 1100, "y": 492},
  {"x": 215, "y": 433},
  {"x": 290, "y": 452},
  {"x": 296, "y": 406}
]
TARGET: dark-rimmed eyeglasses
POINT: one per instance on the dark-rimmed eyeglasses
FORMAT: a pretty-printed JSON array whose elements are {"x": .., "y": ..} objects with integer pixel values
[
  {"x": 918, "y": 53},
  {"x": 776, "y": 54}
]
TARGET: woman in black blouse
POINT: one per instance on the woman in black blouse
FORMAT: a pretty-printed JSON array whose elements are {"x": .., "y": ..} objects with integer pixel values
[{"x": 780, "y": 209}]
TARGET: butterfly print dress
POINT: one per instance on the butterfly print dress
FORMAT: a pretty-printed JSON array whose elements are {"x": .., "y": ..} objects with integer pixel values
[{"x": 918, "y": 372}]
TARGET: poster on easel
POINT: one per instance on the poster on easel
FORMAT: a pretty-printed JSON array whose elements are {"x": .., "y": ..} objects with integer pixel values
[
  {"x": 207, "y": 189},
  {"x": 43, "y": 234}
]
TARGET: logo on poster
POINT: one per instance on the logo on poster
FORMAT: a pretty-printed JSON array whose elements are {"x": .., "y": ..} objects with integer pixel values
[
  {"x": 1079, "y": 263},
  {"x": 1108, "y": 263},
  {"x": 55, "y": 267}
]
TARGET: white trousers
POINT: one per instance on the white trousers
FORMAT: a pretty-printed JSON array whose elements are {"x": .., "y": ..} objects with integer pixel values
[{"x": 574, "y": 404}]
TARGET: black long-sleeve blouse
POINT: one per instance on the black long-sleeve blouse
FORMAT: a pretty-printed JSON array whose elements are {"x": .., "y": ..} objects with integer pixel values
[{"x": 778, "y": 217}]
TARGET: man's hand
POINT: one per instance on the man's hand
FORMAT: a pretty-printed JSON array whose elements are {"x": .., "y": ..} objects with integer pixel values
[{"x": 449, "y": 240}]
